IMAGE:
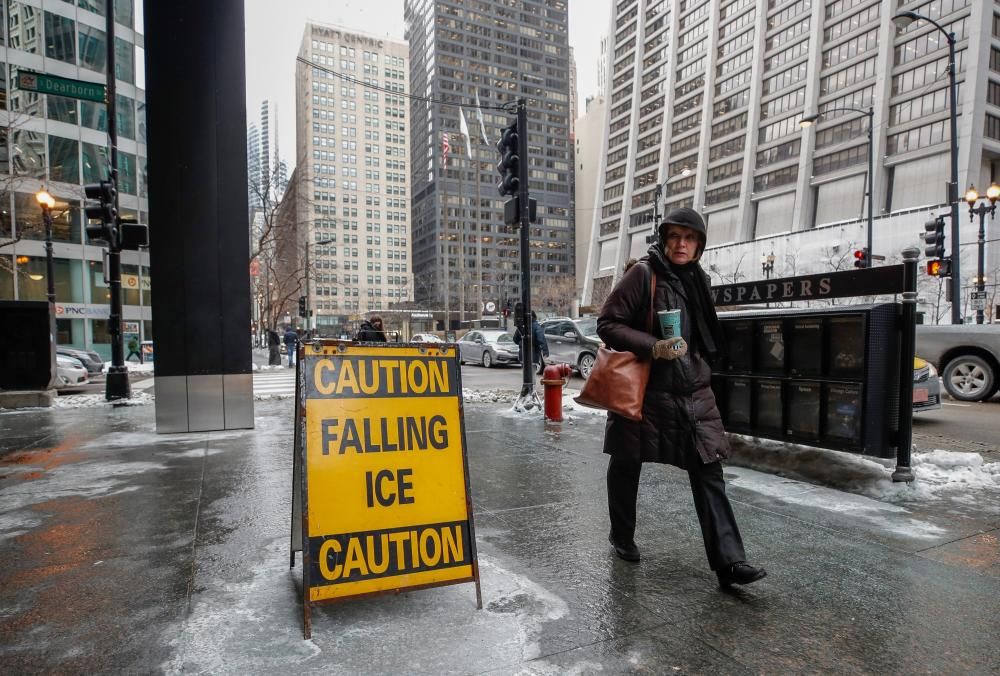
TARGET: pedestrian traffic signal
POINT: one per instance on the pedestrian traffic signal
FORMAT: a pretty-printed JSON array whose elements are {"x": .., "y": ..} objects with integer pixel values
[
  {"x": 861, "y": 258},
  {"x": 934, "y": 238},
  {"x": 939, "y": 267},
  {"x": 105, "y": 211},
  {"x": 302, "y": 306},
  {"x": 509, "y": 165}
]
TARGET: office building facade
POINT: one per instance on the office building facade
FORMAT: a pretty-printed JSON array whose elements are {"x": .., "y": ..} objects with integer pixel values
[
  {"x": 706, "y": 97},
  {"x": 62, "y": 144},
  {"x": 352, "y": 145},
  {"x": 464, "y": 255}
]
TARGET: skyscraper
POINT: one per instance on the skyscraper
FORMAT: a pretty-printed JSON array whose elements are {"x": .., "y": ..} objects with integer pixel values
[
  {"x": 705, "y": 102},
  {"x": 353, "y": 192},
  {"x": 493, "y": 52}
]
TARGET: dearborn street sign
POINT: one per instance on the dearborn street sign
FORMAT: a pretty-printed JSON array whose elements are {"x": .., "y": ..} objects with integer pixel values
[{"x": 62, "y": 86}]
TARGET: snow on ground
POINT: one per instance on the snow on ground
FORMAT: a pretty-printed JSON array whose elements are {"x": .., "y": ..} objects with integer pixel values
[
  {"x": 936, "y": 473},
  {"x": 267, "y": 367},
  {"x": 92, "y": 400}
]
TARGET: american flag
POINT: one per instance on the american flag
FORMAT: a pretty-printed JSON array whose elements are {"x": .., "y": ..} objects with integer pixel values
[{"x": 445, "y": 147}]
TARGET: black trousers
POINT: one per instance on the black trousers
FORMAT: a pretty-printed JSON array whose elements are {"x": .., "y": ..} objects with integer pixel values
[{"x": 723, "y": 543}]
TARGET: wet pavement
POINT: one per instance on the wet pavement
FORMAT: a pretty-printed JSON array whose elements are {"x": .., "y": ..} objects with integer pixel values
[{"x": 128, "y": 551}]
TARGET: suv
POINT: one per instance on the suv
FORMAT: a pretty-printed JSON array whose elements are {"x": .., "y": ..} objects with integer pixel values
[{"x": 573, "y": 342}]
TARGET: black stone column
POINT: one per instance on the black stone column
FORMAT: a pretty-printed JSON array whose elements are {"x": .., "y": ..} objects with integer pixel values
[{"x": 199, "y": 238}]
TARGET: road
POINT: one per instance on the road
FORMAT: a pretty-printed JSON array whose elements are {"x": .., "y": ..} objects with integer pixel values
[{"x": 960, "y": 426}]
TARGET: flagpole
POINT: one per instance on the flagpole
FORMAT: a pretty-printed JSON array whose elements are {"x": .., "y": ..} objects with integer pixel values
[
  {"x": 461, "y": 242},
  {"x": 447, "y": 254},
  {"x": 479, "y": 239}
]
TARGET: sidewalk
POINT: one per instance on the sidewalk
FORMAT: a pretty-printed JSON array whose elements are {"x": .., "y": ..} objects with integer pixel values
[{"x": 125, "y": 551}]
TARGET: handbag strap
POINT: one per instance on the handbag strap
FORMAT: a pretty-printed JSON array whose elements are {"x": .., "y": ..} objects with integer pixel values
[{"x": 652, "y": 293}]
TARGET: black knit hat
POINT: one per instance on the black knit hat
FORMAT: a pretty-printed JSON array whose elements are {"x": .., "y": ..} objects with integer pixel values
[{"x": 689, "y": 218}]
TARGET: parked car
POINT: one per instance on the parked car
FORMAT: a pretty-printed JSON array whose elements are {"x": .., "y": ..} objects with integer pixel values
[
  {"x": 70, "y": 372},
  {"x": 90, "y": 359},
  {"x": 488, "y": 347},
  {"x": 573, "y": 342},
  {"x": 425, "y": 338},
  {"x": 966, "y": 355},
  {"x": 926, "y": 386}
]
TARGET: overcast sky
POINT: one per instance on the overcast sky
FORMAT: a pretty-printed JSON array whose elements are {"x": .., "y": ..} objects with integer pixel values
[{"x": 274, "y": 31}]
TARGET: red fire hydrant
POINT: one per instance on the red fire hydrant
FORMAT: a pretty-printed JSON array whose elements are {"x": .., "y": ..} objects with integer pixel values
[{"x": 554, "y": 378}]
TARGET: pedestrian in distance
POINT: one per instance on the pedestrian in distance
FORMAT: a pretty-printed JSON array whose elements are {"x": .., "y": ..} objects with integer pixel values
[
  {"x": 291, "y": 340},
  {"x": 273, "y": 348},
  {"x": 540, "y": 347},
  {"x": 371, "y": 331},
  {"x": 680, "y": 424},
  {"x": 133, "y": 348}
]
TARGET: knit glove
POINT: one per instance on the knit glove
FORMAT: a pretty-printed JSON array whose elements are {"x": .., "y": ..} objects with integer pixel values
[{"x": 671, "y": 348}]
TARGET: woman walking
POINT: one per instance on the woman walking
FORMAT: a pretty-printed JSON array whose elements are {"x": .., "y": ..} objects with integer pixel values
[{"x": 681, "y": 424}]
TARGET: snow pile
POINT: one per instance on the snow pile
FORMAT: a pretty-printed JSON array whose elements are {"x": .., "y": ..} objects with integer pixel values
[
  {"x": 271, "y": 396},
  {"x": 936, "y": 472},
  {"x": 569, "y": 405},
  {"x": 133, "y": 367},
  {"x": 98, "y": 400},
  {"x": 488, "y": 396}
]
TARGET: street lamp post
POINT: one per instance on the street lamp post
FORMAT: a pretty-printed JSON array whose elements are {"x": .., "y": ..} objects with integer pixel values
[
  {"x": 309, "y": 312},
  {"x": 767, "y": 267},
  {"x": 983, "y": 208},
  {"x": 870, "y": 113},
  {"x": 46, "y": 201},
  {"x": 902, "y": 20}
]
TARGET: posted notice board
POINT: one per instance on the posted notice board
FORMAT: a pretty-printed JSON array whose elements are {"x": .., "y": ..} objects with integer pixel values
[{"x": 380, "y": 487}]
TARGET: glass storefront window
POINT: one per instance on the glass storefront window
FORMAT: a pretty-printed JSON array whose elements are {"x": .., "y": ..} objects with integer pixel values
[
  {"x": 64, "y": 160},
  {"x": 126, "y": 117},
  {"x": 31, "y": 282},
  {"x": 4, "y": 152},
  {"x": 22, "y": 28},
  {"x": 124, "y": 61},
  {"x": 99, "y": 291},
  {"x": 100, "y": 340},
  {"x": 94, "y": 115},
  {"x": 70, "y": 332},
  {"x": 5, "y": 219},
  {"x": 95, "y": 6},
  {"x": 27, "y": 217},
  {"x": 124, "y": 13},
  {"x": 93, "y": 48},
  {"x": 61, "y": 109},
  {"x": 60, "y": 38},
  {"x": 27, "y": 153},
  {"x": 7, "y": 278},
  {"x": 66, "y": 221},
  {"x": 141, "y": 121},
  {"x": 142, "y": 179},
  {"x": 126, "y": 173},
  {"x": 95, "y": 163}
]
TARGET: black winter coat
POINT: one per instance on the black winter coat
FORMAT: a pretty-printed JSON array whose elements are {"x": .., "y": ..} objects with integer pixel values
[
  {"x": 681, "y": 422},
  {"x": 369, "y": 334}
]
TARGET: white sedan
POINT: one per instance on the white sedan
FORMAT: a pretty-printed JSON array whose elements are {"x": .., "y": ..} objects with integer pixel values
[{"x": 70, "y": 372}]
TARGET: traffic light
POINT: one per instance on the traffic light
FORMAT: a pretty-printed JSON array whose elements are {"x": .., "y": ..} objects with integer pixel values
[
  {"x": 302, "y": 306},
  {"x": 105, "y": 211},
  {"x": 934, "y": 238},
  {"x": 861, "y": 258},
  {"x": 509, "y": 165},
  {"x": 940, "y": 267}
]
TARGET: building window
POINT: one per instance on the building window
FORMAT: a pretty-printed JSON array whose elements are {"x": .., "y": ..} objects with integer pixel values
[
  {"x": 776, "y": 178},
  {"x": 921, "y": 137},
  {"x": 724, "y": 194},
  {"x": 839, "y": 160},
  {"x": 60, "y": 38}
]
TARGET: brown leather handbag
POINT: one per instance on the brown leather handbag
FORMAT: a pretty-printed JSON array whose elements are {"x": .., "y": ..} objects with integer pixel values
[{"x": 618, "y": 380}]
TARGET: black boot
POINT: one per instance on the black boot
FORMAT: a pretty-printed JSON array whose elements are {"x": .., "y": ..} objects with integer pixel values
[
  {"x": 740, "y": 572},
  {"x": 629, "y": 552}
]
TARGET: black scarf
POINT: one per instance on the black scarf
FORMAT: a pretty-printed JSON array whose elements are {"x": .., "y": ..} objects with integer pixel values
[{"x": 706, "y": 330}]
